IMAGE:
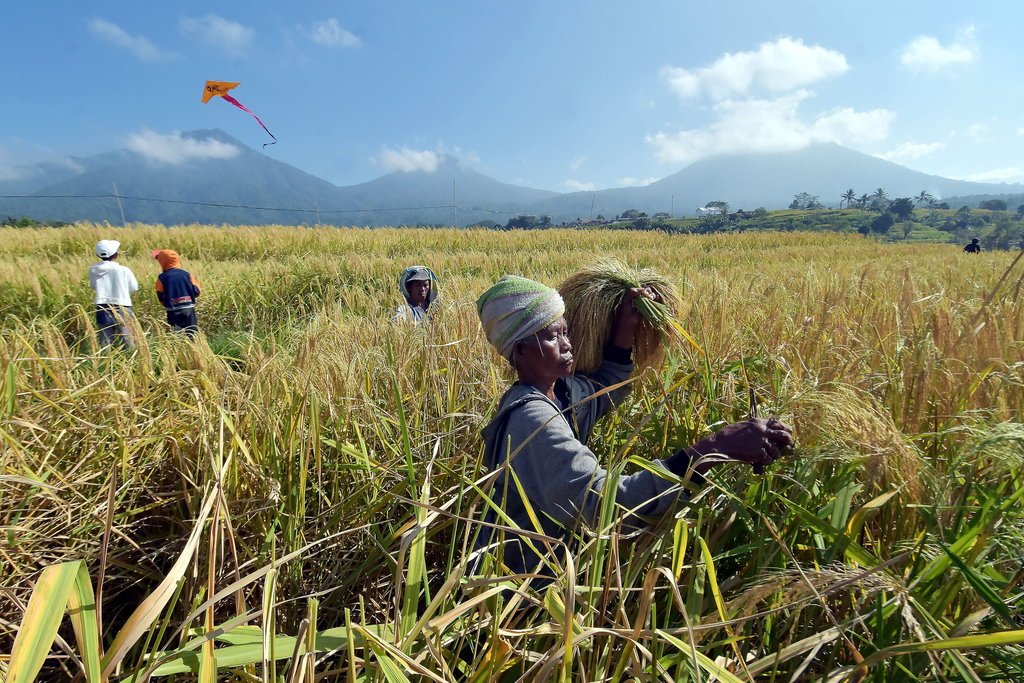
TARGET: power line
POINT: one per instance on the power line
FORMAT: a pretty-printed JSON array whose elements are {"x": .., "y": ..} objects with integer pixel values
[
  {"x": 314, "y": 211},
  {"x": 219, "y": 205}
]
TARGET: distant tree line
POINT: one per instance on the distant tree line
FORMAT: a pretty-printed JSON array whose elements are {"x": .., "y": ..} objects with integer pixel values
[{"x": 26, "y": 222}]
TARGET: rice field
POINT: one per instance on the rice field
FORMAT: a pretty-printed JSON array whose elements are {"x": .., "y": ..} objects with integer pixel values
[{"x": 291, "y": 496}]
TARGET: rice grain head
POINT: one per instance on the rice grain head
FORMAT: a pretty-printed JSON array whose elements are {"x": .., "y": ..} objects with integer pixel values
[{"x": 591, "y": 298}]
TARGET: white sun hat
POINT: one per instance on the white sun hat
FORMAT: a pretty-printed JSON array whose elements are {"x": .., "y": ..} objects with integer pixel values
[{"x": 107, "y": 248}]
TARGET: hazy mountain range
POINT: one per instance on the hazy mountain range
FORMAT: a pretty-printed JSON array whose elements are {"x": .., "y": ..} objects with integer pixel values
[{"x": 262, "y": 190}]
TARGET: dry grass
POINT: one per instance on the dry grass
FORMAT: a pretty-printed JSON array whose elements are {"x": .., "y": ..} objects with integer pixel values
[{"x": 328, "y": 416}]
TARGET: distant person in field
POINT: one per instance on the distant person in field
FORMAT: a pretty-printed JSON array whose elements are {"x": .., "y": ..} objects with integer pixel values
[
  {"x": 973, "y": 247},
  {"x": 177, "y": 290},
  {"x": 418, "y": 286},
  {"x": 113, "y": 285},
  {"x": 544, "y": 420}
]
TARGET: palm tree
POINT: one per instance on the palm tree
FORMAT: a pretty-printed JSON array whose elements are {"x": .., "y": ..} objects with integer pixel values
[
  {"x": 879, "y": 201},
  {"x": 848, "y": 197},
  {"x": 923, "y": 198},
  {"x": 862, "y": 202}
]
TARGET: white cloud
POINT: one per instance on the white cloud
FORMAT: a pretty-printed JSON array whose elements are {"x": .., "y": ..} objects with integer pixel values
[
  {"x": 24, "y": 162},
  {"x": 1009, "y": 174},
  {"x": 467, "y": 156},
  {"x": 636, "y": 182},
  {"x": 776, "y": 67},
  {"x": 231, "y": 37},
  {"x": 331, "y": 34},
  {"x": 174, "y": 149},
  {"x": 578, "y": 186},
  {"x": 143, "y": 48},
  {"x": 978, "y": 132},
  {"x": 9, "y": 169},
  {"x": 577, "y": 163},
  {"x": 761, "y": 125},
  {"x": 408, "y": 160},
  {"x": 911, "y": 151},
  {"x": 926, "y": 53},
  {"x": 847, "y": 125}
]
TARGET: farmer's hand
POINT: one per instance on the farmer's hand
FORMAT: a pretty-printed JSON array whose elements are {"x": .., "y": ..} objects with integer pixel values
[
  {"x": 627, "y": 318},
  {"x": 757, "y": 441}
]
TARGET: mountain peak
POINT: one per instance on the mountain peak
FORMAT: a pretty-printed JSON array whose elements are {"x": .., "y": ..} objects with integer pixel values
[
  {"x": 425, "y": 186},
  {"x": 212, "y": 134}
]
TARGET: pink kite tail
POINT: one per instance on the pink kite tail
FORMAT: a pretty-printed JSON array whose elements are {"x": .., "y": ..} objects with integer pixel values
[{"x": 241, "y": 106}]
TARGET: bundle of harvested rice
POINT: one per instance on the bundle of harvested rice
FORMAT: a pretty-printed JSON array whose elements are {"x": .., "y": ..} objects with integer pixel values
[{"x": 591, "y": 299}]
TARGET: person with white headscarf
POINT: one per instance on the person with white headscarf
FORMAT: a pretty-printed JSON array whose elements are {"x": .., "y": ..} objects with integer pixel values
[
  {"x": 112, "y": 285},
  {"x": 418, "y": 286},
  {"x": 545, "y": 419}
]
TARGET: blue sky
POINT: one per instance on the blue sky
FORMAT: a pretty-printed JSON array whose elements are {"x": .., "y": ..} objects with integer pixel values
[{"x": 559, "y": 95}]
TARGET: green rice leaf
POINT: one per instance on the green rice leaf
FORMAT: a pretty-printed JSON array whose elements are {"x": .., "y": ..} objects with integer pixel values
[{"x": 42, "y": 617}]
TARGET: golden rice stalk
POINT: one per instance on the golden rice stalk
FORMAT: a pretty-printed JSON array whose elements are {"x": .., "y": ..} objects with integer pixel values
[{"x": 591, "y": 299}]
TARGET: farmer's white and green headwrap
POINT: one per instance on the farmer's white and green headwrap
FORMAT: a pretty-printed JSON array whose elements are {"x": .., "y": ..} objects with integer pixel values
[{"x": 515, "y": 308}]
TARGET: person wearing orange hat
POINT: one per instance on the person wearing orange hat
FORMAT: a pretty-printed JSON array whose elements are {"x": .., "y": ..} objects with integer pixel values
[{"x": 177, "y": 290}]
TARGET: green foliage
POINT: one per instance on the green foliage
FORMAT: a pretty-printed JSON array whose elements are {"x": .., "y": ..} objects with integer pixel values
[
  {"x": 1006, "y": 234},
  {"x": 993, "y": 204},
  {"x": 805, "y": 201},
  {"x": 883, "y": 223},
  {"x": 963, "y": 216},
  {"x": 524, "y": 222},
  {"x": 26, "y": 222},
  {"x": 902, "y": 209}
]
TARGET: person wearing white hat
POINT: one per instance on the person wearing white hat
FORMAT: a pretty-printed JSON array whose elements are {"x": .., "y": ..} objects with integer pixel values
[{"x": 113, "y": 285}]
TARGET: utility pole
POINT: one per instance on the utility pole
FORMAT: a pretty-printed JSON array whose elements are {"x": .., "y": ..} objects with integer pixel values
[
  {"x": 592, "y": 200},
  {"x": 120, "y": 208},
  {"x": 673, "y": 213},
  {"x": 316, "y": 199},
  {"x": 455, "y": 204}
]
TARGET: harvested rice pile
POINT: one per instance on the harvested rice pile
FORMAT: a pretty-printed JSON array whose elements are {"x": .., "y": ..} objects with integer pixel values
[{"x": 591, "y": 298}]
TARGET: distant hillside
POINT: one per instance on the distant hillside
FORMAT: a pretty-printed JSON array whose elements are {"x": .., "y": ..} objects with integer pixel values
[
  {"x": 479, "y": 197},
  {"x": 748, "y": 181},
  {"x": 972, "y": 201},
  {"x": 189, "y": 192},
  {"x": 253, "y": 188},
  {"x": 248, "y": 178}
]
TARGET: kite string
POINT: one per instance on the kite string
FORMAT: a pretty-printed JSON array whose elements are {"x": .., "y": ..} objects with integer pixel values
[{"x": 241, "y": 106}]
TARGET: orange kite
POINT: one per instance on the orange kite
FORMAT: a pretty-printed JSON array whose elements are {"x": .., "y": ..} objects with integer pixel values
[{"x": 220, "y": 89}]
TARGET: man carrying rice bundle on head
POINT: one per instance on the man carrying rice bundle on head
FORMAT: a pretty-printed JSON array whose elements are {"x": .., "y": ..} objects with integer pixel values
[{"x": 545, "y": 419}]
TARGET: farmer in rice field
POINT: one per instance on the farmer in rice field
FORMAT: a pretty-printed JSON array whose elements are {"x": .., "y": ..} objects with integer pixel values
[
  {"x": 112, "y": 285},
  {"x": 544, "y": 420},
  {"x": 973, "y": 247},
  {"x": 177, "y": 290},
  {"x": 418, "y": 286}
]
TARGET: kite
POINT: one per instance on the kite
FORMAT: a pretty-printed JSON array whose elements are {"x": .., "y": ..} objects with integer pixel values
[{"x": 220, "y": 89}]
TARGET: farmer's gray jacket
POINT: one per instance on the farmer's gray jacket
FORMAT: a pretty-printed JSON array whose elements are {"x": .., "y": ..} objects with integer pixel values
[{"x": 559, "y": 475}]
